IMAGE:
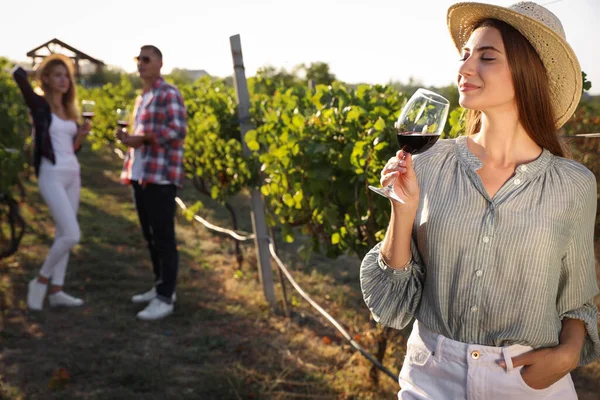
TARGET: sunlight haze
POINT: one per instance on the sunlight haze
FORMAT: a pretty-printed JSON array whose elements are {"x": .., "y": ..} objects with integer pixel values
[{"x": 372, "y": 42}]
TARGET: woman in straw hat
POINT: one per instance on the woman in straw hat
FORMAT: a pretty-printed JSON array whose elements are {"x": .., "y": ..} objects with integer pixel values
[
  {"x": 57, "y": 137},
  {"x": 492, "y": 253}
]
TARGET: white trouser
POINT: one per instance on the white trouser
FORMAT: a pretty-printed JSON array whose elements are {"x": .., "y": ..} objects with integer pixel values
[
  {"x": 439, "y": 368},
  {"x": 60, "y": 189}
]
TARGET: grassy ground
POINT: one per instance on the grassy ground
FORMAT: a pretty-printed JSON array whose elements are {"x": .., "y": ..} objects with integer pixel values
[{"x": 222, "y": 341}]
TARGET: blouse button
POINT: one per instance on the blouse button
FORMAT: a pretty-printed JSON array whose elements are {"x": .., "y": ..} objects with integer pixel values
[{"x": 517, "y": 181}]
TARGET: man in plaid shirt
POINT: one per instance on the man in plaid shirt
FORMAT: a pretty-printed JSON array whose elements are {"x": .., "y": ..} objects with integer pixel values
[{"x": 154, "y": 168}]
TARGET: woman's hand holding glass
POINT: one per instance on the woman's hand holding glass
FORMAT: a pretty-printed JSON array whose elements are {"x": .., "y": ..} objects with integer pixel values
[
  {"x": 417, "y": 129},
  {"x": 400, "y": 174},
  {"x": 84, "y": 129}
]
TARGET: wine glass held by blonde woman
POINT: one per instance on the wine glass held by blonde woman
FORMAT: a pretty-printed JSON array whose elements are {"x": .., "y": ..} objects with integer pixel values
[
  {"x": 492, "y": 253},
  {"x": 58, "y": 136}
]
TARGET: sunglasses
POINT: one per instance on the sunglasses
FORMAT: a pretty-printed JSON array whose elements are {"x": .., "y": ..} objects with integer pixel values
[{"x": 143, "y": 59}]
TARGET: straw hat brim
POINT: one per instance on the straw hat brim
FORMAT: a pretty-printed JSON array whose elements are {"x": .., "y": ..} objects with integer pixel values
[
  {"x": 66, "y": 60},
  {"x": 562, "y": 66}
]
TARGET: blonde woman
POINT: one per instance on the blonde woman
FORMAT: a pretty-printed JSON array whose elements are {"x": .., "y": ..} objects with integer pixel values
[
  {"x": 57, "y": 138},
  {"x": 493, "y": 251}
]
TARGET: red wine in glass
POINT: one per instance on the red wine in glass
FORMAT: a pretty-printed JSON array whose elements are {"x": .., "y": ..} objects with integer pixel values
[
  {"x": 89, "y": 115},
  {"x": 417, "y": 129},
  {"x": 123, "y": 124},
  {"x": 416, "y": 142}
]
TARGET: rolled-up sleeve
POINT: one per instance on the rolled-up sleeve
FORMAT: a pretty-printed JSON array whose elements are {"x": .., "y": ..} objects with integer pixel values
[
  {"x": 578, "y": 284},
  {"x": 175, "y": 126},
  {"x": 392, "y": 295}
]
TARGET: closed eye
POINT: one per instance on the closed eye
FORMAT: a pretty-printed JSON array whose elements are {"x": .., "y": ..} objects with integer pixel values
[{"x": 482, "y": 58}]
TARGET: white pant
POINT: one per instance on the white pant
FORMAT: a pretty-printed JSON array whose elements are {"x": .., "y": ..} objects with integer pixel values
[
  {"x": 60, "y": 189},
  {"x": 439, "y": 368}
]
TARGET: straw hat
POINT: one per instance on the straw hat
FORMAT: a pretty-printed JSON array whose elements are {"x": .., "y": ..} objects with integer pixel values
[
  {"x": 545, "y": 33},
  {"x": 66, "y": 60}
]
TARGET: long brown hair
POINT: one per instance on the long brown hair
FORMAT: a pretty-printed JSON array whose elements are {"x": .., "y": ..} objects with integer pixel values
[
  {"x": 532, "y": 91},
  {"x": 69, "y": 99}
]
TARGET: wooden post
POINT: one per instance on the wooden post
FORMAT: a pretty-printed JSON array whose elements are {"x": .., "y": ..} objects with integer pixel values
[{"x": 259, "y": 225}]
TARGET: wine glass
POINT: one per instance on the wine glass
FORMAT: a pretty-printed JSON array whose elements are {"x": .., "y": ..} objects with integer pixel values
[
  {"x": 87, "y": 109},
  {"x": 123, "y": 118},
  {"x": 418, "y": 128}
]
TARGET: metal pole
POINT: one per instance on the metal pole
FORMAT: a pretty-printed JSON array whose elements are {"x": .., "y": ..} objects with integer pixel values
[{"x": 259, "y": 225}]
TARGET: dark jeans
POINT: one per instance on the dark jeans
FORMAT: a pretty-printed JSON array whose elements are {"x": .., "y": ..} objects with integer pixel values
[{"x": 156, "y": 210}]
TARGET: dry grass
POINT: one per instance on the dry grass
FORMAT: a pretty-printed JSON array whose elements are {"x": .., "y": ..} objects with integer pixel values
[{"x": 221, "y": 343}]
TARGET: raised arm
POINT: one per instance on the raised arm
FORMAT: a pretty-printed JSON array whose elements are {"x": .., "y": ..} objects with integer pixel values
[
  {"x": 392, "y": 274},
  {"x": 32, "y": 99}
]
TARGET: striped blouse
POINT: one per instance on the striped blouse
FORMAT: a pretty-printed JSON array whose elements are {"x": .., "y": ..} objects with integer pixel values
[{"x": 494, "y": 271}]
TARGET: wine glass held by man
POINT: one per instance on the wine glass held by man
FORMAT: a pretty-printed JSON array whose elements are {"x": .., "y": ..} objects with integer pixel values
[
  {"x": 58, "y": 137},
  {"x": 492, "y": 252},
  {"x": 88, "y": 109}
]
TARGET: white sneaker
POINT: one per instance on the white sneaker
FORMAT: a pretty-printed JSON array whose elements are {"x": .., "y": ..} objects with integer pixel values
[
  {"x": 36, "y": 292},
  {"x": 61, "y": 299},
  {"x": 149, "y": 295},
  {"x": 157, "y": 309}
]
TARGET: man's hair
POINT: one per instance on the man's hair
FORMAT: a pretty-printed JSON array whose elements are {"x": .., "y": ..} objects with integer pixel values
[{"x": 154, "y": 49}]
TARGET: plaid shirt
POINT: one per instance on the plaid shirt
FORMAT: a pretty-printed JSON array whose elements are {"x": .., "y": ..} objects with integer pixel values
[{"x": 164, "y": 116}]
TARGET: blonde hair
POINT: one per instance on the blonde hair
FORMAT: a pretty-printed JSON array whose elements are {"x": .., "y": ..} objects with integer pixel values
[{"x": 69, "y": 99}]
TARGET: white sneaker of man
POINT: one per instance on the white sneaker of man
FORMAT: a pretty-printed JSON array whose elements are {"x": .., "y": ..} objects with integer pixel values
[
  {"x": 148, "y": 296},
  {"x": 157, "y": 309},
  {"x": 62, "y": 299},
  {"x": 36, "y": 292}
]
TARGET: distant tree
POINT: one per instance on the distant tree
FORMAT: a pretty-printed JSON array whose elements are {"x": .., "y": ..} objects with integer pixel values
[
  {"x": 268, "y": 79},
  {"x": 319, "y": 72},
  {"x": 109, "y": 75},
  {"x": 282, "y": 77},
  {"x": 180, "y": 76},
  {"x": 101, "y": 78},
  {"x": 228, "y": 81},
  {"x": 135, "y": 80}
]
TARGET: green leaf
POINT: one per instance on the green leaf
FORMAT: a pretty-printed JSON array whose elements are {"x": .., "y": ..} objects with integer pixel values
[
  {"x": 298, "y": 196},
  {"x": 381, "y": 146},
  {"x": 355, "y": 113},
  {"x": 253, "y": 145},
  {"x": 298, "y": 121},
  {"x": 250, "y": 135},
  {"x": 587, "y": 85},
  {"x": 380, "y": 124},
  {"x": 335, "y": 238},
  {"x": 288, "y": 200}
]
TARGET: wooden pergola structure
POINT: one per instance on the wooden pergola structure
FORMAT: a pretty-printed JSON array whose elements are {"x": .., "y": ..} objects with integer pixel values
[{"x": 57, "y": 46}]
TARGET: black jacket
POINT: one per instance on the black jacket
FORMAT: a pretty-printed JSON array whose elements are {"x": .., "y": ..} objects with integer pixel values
[{"x": 41, "y": 115}]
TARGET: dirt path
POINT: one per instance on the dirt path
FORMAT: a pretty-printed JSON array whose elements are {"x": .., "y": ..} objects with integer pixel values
[{"x": 221, "y": 343}]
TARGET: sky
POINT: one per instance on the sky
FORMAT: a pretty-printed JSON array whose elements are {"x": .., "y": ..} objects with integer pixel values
[{"x": 369, "y": 41}]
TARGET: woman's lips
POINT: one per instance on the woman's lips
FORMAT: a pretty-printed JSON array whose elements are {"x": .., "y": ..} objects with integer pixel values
[{"x": 467, "y": 87}]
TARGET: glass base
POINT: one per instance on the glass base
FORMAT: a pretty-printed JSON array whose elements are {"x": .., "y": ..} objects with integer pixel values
[{"x": 387, "y": 192}]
